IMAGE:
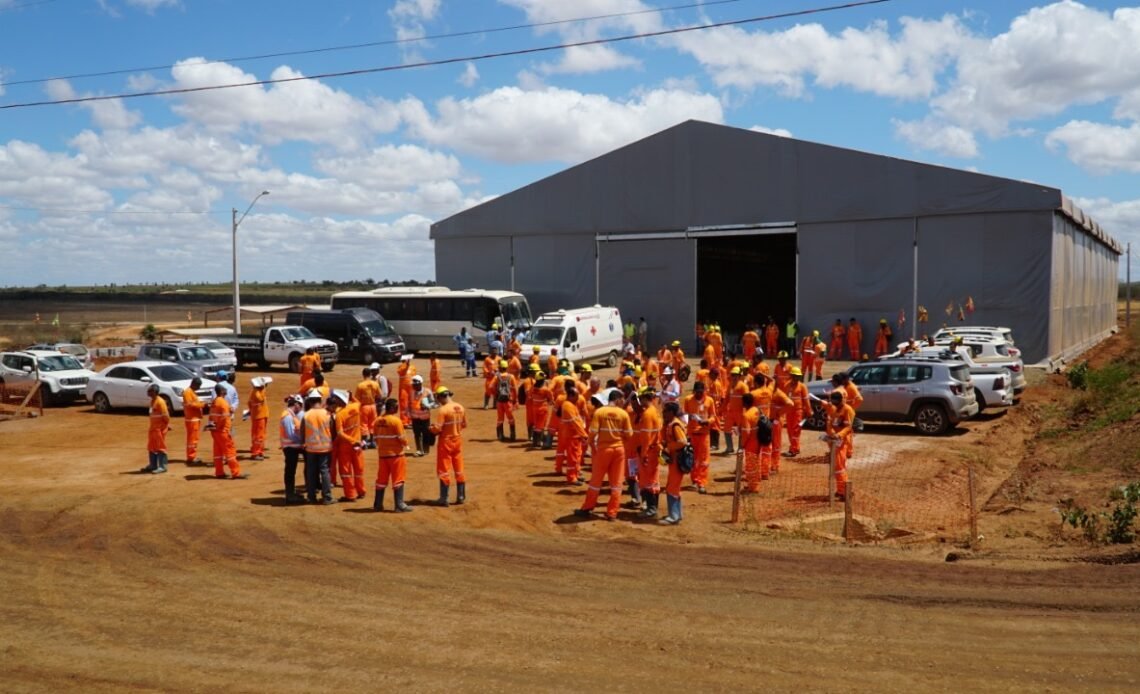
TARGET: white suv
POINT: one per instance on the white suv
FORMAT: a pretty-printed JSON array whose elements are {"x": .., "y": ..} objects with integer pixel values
[{"x": 61, "y": 375}]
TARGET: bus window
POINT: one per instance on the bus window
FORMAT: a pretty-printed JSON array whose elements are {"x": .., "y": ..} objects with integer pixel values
[
  {"x": 485, "y": 311},
  {"x": 515, "y": 312},
  {"x": 439, "y": 309}
]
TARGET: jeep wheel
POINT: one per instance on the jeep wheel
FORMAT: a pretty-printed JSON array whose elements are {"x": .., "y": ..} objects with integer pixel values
[
  {"x": 611, "y": 359},
  {"x": 817, "y": 421},
  {"x": 367, "y": 357},
  {"x": 981, "y": 400},
  {"x": 295, "y": 363},
  {"x": 101, "y": 403},
  {"x": 931, "y": 419}
]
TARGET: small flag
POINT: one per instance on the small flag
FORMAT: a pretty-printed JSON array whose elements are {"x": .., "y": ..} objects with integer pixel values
[
  {"x": 923, "y": 315},
  {"x": 950, "y": 308},
  {"x": 969, "y": 304},
  {"x": 961, "y": 313},
  {"x": 902, "y": 318},
  {"x": 55, "y": 321}
]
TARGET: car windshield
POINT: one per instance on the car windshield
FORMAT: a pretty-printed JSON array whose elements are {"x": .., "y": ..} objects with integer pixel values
[
  {"x": 60, "y": 363},
  {"x": 378, "y": 328},
  {"x": 171, "y": 372},
  {"x": 74, "y": 350},
  {"x": 214, "y": 346},
  {"x": 195, "y": 354},
  {"x": 515, "y": 312},
  {"x": 299, "y": 333},
  {"x": 549, "y": 336}
]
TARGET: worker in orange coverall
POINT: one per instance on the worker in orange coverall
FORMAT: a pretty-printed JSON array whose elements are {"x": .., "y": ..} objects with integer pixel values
[
  {"x": 388, "y": 433},
  {"x": 771, "y": 337},
  {"x": 309, "y": 362},
  {"x": 854, "y": 340},
  {"x": 192, "y": 410},
  {"x": 646, "y": 421},
  {"x": 799, "y": 411},
  {"x": 448, "y": 425},
  {"x": 807, "y": 354},
  {"x": 156, "y": 432},
  {"x": 840, "y": 430},
  {"x": 258, "y": 419},
  {"x": 750, "y": 442},
  {"x": 883, "y": 338},
  {"x": 611, "y": 428},
  {"x": 673, "y": 439},
  {"x": 700, "y": 409},
  {"x": 543, "y": 402},
  {"x": 572, "y": 434},
  {"x": 750, "y": 340},
  {"x": 348, "y": 454},
  {"x": 835, "y": 351},
  {"x": 506, "y": 400},
  {"x": 221, "y": 429},
  {"x": 367, "y": 393}
]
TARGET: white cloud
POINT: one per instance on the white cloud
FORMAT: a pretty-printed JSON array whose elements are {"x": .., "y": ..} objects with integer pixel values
[
  {"x": 1098, "y": 147},
  {"x": 781, "y": 132},
  {"x": 595, "y": 58},
  {"x": 1120, "y": 219},
  {"x": 408, "y": 17},
  {"x": 513, "y": 125},
  {"x": 154, "y": 150},
  {"x": 1051, "y": 58},
  {"x": 109, "y": 114},
  {"x": 391, "y": 167},
  {"x": 152, "y": 5},
  {"x": 906, "y": 65},
  {"x": 470, "y": 75},
  {"x": 930, "y": 134},
  {"x": 305, "y": 110},
  {"x": 38, "y": 178}
]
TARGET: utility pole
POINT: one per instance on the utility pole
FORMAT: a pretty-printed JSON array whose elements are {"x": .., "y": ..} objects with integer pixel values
[
  {"x": 1128, "y": 286},
  {"x": 237, "y": 297}
]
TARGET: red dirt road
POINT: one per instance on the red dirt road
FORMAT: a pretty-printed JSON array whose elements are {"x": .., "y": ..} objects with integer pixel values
[{"x": 117, "y": 580}]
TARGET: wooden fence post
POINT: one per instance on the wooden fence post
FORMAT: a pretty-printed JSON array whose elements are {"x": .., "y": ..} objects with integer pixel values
[
  {"x": 831, "y": 446},
  {"x": 848, "y": 526},
  {"x": 973, "y": 490},
  {"x": 736, "y": 486}
]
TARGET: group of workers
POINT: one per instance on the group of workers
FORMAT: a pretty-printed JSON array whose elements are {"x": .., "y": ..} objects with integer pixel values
[{"x": 630, "y": 427}]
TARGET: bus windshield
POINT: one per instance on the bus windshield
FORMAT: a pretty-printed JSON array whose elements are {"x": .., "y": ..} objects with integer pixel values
[
  {"x": 548, "y": 336},
  {"x": 378, "y": 328},
  {"x": 515, "y": 312}
]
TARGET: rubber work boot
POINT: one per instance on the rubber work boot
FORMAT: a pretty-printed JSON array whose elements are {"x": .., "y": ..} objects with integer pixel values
[
  {"x": 442, "y": 500},
  {"x": 378, "y": 504},
  {"x": 419, "y": 437},
  {"x": 548, "y": 440},
  {"x": 460, "y": 492},
  {"x": 499, "y": 432},
  {"x": 650, "y": 504},
  {"x": 530, "y": 432},
  {"x": 535, "y": 438},
  {"x": 486, "y": 401},
  {"x": 401, "y": 507},
  {"x": 674, "y": 516},
  {"x": 634, "y": 494},
  {"x": 728, "y": 449},
  {"x": 714, "y": 439},
  {"x": 512, "y": 432}
]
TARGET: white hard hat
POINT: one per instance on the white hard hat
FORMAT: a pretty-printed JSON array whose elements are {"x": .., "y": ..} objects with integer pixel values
[
  {"x": 375, "y": 366},
  {"x": 341, "y": 395},
  {"x": 417, "y": 379},
  {"x": 257, "y": 382},
  {"x": 313, "y": 394},
  {"x": 667, "y": 370}
]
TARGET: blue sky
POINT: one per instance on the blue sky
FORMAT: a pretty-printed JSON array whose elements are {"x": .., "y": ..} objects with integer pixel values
[{"x": 140, "y": 189}]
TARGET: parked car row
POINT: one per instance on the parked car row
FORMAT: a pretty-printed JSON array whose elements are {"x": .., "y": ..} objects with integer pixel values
[{"x": 935, "y": 387}]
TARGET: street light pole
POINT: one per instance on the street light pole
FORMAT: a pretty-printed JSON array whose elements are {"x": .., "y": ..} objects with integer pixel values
[{"x": 237, "y": 295}]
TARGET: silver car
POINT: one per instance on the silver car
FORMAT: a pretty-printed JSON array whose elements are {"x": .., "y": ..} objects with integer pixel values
[
  {"x": 125, "y": 385},
  {"x": 932, "y": 394},
  {"x": 198, "y": 359},
  {"x": 223, "y": 353}
]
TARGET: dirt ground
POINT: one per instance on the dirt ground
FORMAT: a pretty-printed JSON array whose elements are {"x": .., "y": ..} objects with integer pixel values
[{"x": 182, "y": 582}]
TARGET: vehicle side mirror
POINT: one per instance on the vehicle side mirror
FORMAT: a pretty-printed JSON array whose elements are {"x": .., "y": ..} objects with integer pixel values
[
  {"x": 145, "y": 379},
  {"x": 26, "y": 369}
]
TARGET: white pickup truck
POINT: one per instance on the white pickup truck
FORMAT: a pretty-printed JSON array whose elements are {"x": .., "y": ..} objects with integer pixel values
[
  {"x": 993, "y": 384},
  {"x": 984, "y": 352},
  {"x": 281, "y": 344}
]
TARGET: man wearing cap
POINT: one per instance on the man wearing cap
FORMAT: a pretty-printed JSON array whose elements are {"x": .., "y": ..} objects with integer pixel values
[
  {"x": 782, "y": 372},
  {"x": 421, "y": 416},
  {"x": 646, "y": 444},
  {"x": 490, "y": 370},
  {"x": 737, "y": 387},
  {"x": 673, "y": 439},
  {"x": 292, "y": 445},
  {"x": 526, "y": 385},
  {"x": 854, "y": 339},
  {"x": 820, "y": 357},
  {"x": 543, "y": 400},
  {"x": 670, "y": 387},
  {"x": 316, "y": 431},
  {"x": 348, "y": 454},
  {"x": 388, "y": 431},
  {"x": 883, "y": 338},
  {"x": 807, "y": 353},
  {"x": 677, "y": 354},
  {"x": 448, "y": 425},
  {"x": 572, "y": 434},
  {"x": 797, "y": 413},
  {"x": 258, "y": 419},
  {"x": 611, "y": 428},
  {"x": 534, "y": 358},
  {"x": 367, "y": 393},
  {"x": 764, "y": 395},
  {"x": 221, "y": 429},
  {"x": 156, "y": 432},
  {"x": 750, "y": 443},
  {"x": 381, "y": 381},
  {"x": 192, "y": 409},
  {"x": 405, "y": 371},
  {"x": 840, "y": 430},
  {"x": 506, "y": 399},
  {"x": 700, "y": 409}
]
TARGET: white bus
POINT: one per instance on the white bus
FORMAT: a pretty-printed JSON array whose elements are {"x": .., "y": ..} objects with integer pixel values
[{"x": 428, "y": 318}]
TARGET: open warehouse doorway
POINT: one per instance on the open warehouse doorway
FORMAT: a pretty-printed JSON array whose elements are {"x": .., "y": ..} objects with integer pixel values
[{"x": 743, "y": 279}]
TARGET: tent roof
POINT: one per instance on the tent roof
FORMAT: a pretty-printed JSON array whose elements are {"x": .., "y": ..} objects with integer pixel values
[{"x": 702, "y": 174}]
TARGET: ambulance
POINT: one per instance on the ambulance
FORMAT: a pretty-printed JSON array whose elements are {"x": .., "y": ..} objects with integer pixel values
[{"x": 581, "y": 335}]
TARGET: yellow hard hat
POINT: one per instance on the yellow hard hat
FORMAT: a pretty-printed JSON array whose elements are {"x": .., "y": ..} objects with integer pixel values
[
  {"x": 782, "y": 354},
  {"x": 676, "y": 343},
  {"x": 815, "y": 333},
  {"x": 536, "y": 349},
  {"x": 586, "y": 367},
  {"x": 735, "y": 371},
  {"x": 442, "y": 390},
  {"x": 795, "y": 371},
  {"x": 535, "y": 367},
  {"x": 503, "y": 364},
  {"x": 882, "y": 320}
]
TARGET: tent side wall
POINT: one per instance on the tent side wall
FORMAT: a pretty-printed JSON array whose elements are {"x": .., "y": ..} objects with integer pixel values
[
  {"x": 1082, "y": 308},
  {"x": 654, "y": 279}
]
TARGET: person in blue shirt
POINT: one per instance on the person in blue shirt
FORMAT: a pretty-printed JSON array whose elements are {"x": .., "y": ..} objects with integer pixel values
[{"x": 232, "y": 398}]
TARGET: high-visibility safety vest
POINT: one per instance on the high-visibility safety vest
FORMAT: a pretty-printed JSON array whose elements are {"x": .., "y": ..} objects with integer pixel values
[{"x": 318, "y": 434}]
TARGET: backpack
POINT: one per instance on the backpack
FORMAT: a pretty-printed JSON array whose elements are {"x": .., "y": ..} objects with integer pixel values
[
  {"x": 504, "y": 388},
  {"x": 764, "y": 431},
  {"x": 685, "y": 458}
]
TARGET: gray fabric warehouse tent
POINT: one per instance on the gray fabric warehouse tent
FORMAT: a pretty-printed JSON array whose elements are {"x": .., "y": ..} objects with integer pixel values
[{"x": 729, "y": 225}]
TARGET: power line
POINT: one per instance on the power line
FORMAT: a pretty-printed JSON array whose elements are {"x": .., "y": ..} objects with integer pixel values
[
  {"x": 375, "y": 44},
  {"x": 448, "y": 61}
]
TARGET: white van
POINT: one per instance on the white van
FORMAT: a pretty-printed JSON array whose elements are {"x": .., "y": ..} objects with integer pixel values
[{"x": 580, "y": 335}]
